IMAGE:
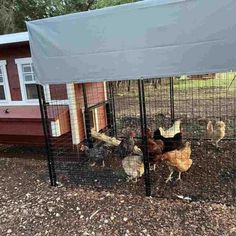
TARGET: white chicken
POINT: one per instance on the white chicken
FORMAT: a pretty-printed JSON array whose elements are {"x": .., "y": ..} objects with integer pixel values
[
  {"x": 133, "y": 167},
  {"x": 172, "y": 131},
  {"x": 216, "y": 133}
]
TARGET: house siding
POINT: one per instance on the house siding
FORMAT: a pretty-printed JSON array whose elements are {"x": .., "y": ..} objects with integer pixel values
[
  {"x": 58, "y": 92},
  {"x": 95, "y": 94},
  {"x": 28, "y": 131},
  {"x": 10, "y": 53}
]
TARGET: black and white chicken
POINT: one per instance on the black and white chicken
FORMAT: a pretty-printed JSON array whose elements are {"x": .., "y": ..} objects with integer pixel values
[{"x": 170, "y": 143}]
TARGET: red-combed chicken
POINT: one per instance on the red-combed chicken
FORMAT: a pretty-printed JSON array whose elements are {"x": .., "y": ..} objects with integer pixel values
[
  {"x": 178, "y": 160},
  {"x": 126, "y": 147},
  {"x": 216, "y": 133}
]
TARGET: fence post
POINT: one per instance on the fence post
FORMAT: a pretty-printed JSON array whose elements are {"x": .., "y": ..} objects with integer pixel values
[
  {"x": 172, "y": 101},
  {"x": 87, "y": 118},
  {"x": 144, "y": 136},
  {"x": 112, "y": 109},
  {"x": 46, "y": 130}
]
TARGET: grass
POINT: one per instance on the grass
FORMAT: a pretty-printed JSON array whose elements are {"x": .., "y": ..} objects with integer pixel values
[
  {"x": 221, "y": 80},
  {"x": 219, "y": 87}
]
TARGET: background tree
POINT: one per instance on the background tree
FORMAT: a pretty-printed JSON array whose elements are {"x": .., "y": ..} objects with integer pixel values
[
  {"x": 7, "y": 19},
  {"x": 14, "y": 13}
]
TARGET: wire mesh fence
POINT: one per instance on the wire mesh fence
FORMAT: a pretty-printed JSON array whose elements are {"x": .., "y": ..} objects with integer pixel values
[{"x": 130, "y": 136}]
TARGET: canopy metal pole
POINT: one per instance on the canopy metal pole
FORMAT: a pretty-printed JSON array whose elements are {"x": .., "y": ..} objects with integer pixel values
[
  {"x": 172, "y": 101},
  {"x": 144, "y": 136},
  {"x": 113, "y": 108},
  {"x": 110, "y": 122},
  {"x": 46, "y": 130},
  {"x": 87, "y": 118}
]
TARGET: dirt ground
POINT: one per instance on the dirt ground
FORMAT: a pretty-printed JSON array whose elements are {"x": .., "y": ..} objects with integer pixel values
[{"x": 29, "y": 206}]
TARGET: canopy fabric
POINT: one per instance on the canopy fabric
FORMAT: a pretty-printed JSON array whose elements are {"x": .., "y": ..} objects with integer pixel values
[{"x": 145, "y": 39}]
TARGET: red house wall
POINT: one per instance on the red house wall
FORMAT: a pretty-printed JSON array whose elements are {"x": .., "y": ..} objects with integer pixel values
[
  {"x": 22, "y": 50},
  {"x": 10, "y": 53},
  {"x": 58, "y": 91},
  {"x": 95, "y": 94},
  {"x": 27, "y": 130}
]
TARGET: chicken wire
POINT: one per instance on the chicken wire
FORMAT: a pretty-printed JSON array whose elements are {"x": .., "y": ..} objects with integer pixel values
[{"x": 117, "y": 108}]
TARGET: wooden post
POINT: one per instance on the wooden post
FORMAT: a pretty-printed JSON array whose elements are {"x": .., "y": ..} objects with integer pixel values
[{"x": 74, "y": 122}]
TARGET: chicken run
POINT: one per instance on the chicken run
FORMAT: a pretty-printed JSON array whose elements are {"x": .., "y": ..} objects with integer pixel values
[{"x": 166, "y": 137}]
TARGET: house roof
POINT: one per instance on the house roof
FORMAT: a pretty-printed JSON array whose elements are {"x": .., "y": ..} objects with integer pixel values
[
  {"x": 146, "y": 39},
  {"x": 14, "y": 38}
]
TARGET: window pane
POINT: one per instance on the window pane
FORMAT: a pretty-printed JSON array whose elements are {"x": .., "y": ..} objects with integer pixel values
[
  {"x": 0, "y": 71},
  {"x": 2, "y": 94},
  {"x": 1, "y": 79},
  {"x": 31, "y": 91},
  {"x": 29, "y": 78},
  {"x": 27, "y": 68}
]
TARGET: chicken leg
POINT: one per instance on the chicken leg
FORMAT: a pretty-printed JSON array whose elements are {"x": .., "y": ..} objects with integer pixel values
[
  {"x": 170, "y": 176},
  {"x": 179, "y": 178},
  {"x": 129, "y": 178},
  {"x": 153, "y": 167}
]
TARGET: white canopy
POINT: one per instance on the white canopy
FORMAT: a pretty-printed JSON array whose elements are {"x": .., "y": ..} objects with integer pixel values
[{"x": 144, "y": 39}]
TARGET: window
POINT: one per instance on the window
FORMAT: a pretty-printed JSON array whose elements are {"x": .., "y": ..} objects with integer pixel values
[
  {"x": 27, "y": 79},
  {"x": 2, "y": 93},
  {"x": 29, "y": 87},
  {"x": 4, "y": 87}
]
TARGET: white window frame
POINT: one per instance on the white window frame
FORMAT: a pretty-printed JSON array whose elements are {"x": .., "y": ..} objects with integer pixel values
[
  {"x": 26, "y": 60},
  {"x": 19, "y": 62},
  {"x": 5, "y": 82}
]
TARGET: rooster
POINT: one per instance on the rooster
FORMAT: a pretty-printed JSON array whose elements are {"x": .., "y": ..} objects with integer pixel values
[
  {"x": 133, "y": 167},
  {"x": 169, "y": 143},
  {"x": 99, "y": 153},
  {"x": 126, "y": 146},
  {"x": 216, "y": 133},
  {"x": 178, "y": 160},
  {"x": 172, "y": 131}
]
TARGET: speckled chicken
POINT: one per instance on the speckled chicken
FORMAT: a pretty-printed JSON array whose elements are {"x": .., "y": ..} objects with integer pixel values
[
  {"x": 99, "y": 153},
  {"x": 126, "y": 147},
  {"x": 133, "y": 167}
]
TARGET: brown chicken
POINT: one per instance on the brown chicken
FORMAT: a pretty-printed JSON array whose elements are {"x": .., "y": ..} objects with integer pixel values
[
  {"x": 216, "y": 133},
  {"x": 155, "y": 148},
  {"x": 178, "y": 160}
]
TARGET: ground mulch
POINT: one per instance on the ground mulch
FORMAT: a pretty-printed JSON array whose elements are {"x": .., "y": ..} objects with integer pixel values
[{"x": 29, "y": 206}]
